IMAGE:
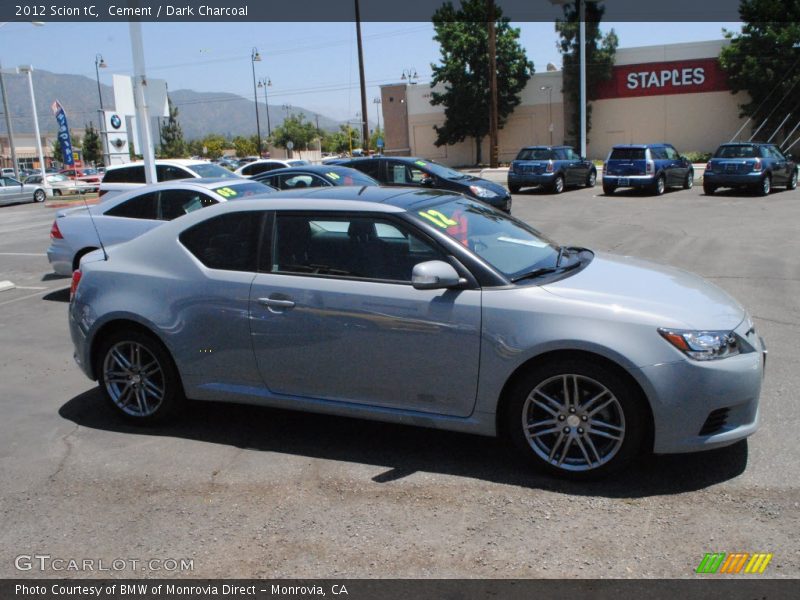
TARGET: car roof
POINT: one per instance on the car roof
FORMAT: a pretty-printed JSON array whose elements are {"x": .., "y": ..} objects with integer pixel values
[
  {"x": 322, "y": 169},
  {"x": 180, "y": 162},
  {"x": 745, "y": 144},
  {"x": 546, "y": 147},
  {"x": 400, "y": 197}
]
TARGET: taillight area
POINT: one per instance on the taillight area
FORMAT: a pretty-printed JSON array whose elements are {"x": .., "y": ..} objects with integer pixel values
[
  {"x": 550, "y": 167},
  {"x": 757, "y": 166},
  {"x": 76, "y": 279},
  {"x": 650, "y": 167},
  {"x": 710, "y": 166},
  {"x": 55, "y": 232}
]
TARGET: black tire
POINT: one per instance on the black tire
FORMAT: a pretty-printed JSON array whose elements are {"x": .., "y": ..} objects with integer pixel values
[
  {"x": 623, "y": 400},
  {"x": 792, "y": 184},
  {"x": 56, "y": 192},
  {"x": 166, "y": 379},
  {"x": 709, "y": 189},
  {"x": 689, "y": 181},
  {"x": 608, "y": 190},
  {"x": 591, "y": 178},
  {"x": 659, "y": 186},
  {"x": 764, "y": 186},
  {"x": 39, "y": 196},
  {"x": 558, "y": 185},
  {"x": 514, "y": 189}
]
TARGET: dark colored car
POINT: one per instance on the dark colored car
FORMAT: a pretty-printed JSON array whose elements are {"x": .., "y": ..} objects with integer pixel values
[
  {"x": 410, "y": 171},
  {"x": 652, "y": 167},
  {"x": 749, "y": 165},
  {"x": 293, "y": 178},
  {"x": 551, "y": 167}
]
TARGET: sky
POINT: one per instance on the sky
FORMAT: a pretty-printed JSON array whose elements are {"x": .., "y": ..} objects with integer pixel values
[{"x": 311, "y": 65}]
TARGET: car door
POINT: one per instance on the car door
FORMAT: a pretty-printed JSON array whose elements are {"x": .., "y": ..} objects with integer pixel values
[
  {"x": 678, "y": 166},
  {"x": 13, "y": 191},
  {"x": 335, "y": 317},
  {"x": 576, "y": 167},
  {"x": 780, "y": 168}
]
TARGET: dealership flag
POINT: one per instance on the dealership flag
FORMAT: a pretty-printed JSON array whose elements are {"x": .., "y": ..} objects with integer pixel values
[{"x": 63, "y": 133}]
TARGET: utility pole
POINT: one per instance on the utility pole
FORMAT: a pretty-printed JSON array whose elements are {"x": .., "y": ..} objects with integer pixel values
[
  {"x": 140, "y": 102},
  {"x": 364, "y": 124},
  {"x": 582, "y": 44},
  {"x": 493, "y": 142}
]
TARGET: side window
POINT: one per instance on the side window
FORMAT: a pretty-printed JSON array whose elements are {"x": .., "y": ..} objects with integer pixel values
[
  {"x": 260, "y": 168},
  {"x": 775, "y": 153},
  {"x": 371, "y": 168},
  {"x": 228, "y": 242},
  {"x": 175, "y": 203},
  {"x": 125, "y": 175},
  {"x": 658, "y": 153},
  {"x": 296, "y": 182},
  {"x": 140, "y": 207},
  {"x": 354, "y": 247},
  {"x": 671, "y": 153},
  {"x": 171, "y": 173},
  {"x": 402, "y": 174},
  {"x": 562, "y": 154}
]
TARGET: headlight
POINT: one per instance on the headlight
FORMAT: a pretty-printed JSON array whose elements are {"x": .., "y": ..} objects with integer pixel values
[
  {"x": 703, "y": 345},
  {"x": 482, "y": 192}
]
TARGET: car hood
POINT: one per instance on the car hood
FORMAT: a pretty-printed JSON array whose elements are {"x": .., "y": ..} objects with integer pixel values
[{"x": 651, "y": 292}]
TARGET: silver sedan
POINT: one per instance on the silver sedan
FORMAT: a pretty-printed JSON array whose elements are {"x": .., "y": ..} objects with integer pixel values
[
  {"x": 419, "y": 307},
  {"x": 13, "y": 191}
]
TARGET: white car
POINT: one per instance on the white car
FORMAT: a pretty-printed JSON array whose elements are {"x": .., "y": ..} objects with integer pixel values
[
  {"x": 268, "y": 164},
  {"x": 59, "y": 185},
  {"x": 13, "y": 191},
  {"x": 123, "y": 178},
  {"x": 128, "y": 215}
]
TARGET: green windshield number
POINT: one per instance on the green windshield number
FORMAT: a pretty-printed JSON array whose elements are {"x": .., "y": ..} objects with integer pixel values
[
  {"x": 421, "y": 163},
  {"x": 437, "y": 218},
  {"x": 333, "y": 175},
  {"x": 227, "y": 192}
]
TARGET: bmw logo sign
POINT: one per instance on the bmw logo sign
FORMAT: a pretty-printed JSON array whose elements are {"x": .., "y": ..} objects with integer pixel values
[{"x": 116, "y": 122}]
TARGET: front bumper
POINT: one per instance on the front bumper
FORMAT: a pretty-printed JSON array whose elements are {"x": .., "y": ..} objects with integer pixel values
[
  {"x": 632, "y": 181},
  {"x": 684, "y": 394},
  {"x": 732, "y": 179}
]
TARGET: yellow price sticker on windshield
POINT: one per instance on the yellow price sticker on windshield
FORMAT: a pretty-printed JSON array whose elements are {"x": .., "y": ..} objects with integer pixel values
[
  {"x": 437, "y": 218},
  {"x": 227, "y": 192},
  {"x": 333, "y": 175}
]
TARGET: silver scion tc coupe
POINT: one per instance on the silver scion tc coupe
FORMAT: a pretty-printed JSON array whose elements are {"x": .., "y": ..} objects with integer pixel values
[{"x": 421, "y": 307}]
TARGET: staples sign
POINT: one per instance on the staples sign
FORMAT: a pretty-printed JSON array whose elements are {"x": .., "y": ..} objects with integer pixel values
[{"x": 660, "y": 79}]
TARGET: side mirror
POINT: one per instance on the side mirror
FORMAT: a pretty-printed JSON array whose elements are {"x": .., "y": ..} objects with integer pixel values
[{"x": 435, "y": 275}]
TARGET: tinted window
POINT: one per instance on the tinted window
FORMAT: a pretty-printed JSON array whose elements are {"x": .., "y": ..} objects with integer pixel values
[
  {"x": 228, "y": 242},
  {"x": 658, "y": 153},
  {"x": 171, "y": 173},
  {"x": 303, "y": 180},
  {"x": 211, "y": 170},
  {"x": 260, "y": 168},
  {"x": 403, "y": 174},
  {"x": 140, "y": 207},
  {"x": 175, "y": 203},
  {"x": 125, "y": 175},
  {"x": 358, "y": 247},
  {"x": 736, "y": 151},
  {"x": 627, "y": 154},
  {"x": 234, "y": 191},
  {"x": 536, "y": 154},
  {"x": 349, "y": 177},
  {"x": 370, "y": 167}
]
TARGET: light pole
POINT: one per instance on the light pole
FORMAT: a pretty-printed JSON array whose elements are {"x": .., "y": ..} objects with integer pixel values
[
  {"x": 254, "y": 58},
  {"x": 28, "y": 69},
  {"x": 13, "y": 71},
  {"x": 266, "y": 82},
  {"x": 409, "y": 75},
  {"x": 99, "y": 63},
  {"x": 287, "y": 108},
  {"x": 549, "y": 89},
  {"x": 377, "y": 102}
]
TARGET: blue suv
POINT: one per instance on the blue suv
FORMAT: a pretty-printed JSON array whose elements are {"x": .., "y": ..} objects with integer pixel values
[
  {"x": 652, "y": 167},
  {"x": 552, "y": 167},
  {"x": 749, "y": 165}
]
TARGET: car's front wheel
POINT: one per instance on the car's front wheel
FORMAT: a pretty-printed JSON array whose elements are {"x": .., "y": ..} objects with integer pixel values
[
  {"x": 765, "y": 187},
  {"x": 576, "y": 419},
  {"x": 138, "y": 377},
  {"x": 689, "y": 181},
  {"x": 792, "y": 185},
  {"x": 39, "y": 196},
  {"x": 591, "y": 179}
]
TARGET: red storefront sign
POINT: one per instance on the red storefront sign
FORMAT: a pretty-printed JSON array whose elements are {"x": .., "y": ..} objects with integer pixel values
[{"x": 664, "y": 78}]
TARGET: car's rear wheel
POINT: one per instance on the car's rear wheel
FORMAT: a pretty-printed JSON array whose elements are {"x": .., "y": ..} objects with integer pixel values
[
  {"x": 56, "y": 192},
  {"x": 558, "y": 185},
  {"x": 591, "y": 178},
  {"x": 609, "y": 189},
  {"x": 709, "y": 189},
  {"x": 689, "y": 181},
  {"x": 792, "y": 185},
  {"x": 765, "y": 186},
  {"x": 659, "y": 185},
  {"x": 576, "y": 419},
  {"x": 39, "y": 196},
  {"x": 514, "y": 189},
  {"x": 138, "y": 377}
]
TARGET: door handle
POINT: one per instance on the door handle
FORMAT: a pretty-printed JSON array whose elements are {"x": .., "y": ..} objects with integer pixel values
[{"x": 275, "y": 303}]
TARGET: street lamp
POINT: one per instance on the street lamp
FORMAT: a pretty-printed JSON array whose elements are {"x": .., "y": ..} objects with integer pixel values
[
  {"x": 28, "y": 69},
  {"x": 287, "y": 108},
  {"x": 409, "y": 75},
  {"x": 254, "y": 58},
  {"x": 377, "y": 102},
  {"x": 99, "y": 63},
  {"x": 549, "y": 89},
  {"x": 266, "y": 82}
]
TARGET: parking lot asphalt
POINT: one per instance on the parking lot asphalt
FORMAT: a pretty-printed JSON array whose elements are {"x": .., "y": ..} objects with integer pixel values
[{"x": 246, "y": 491}]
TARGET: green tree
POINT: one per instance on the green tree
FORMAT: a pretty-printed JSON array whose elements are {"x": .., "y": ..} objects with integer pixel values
[
  {"x": 296, "y": 130},
  {"x": 340, "y": 141},
  {"x": 245, "y": 146},
  {"x": 172, "y": 142},
  {"x": 601, "y": 50},
  {"x": 194, "y": 147},
  {"x": 92, "y": 152},
  {"x": 464, "y": 73},
  {"x": 764, "y": 60},
  {"x": 214, "y": 144},
  {"x": 373, "y": 138}
]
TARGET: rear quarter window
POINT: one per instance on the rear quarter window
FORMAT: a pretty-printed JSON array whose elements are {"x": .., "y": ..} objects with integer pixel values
[
  {"x": 125, "y": 175},
  {"x": 228, "y": 242}
]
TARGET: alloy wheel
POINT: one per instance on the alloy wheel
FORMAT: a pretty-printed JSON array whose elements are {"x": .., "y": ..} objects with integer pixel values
[
  {"x": 573, "y": 422},
  {"x": 134, "y": 379}
]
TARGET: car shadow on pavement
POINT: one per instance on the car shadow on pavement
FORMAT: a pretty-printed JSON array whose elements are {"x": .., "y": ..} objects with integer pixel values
[
  {"x": 405, "y": 450},
  {"x": 61, "y": 295}
]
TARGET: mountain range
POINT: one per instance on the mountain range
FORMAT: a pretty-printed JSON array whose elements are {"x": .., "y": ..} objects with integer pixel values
[{"x": 199, "y": 113}]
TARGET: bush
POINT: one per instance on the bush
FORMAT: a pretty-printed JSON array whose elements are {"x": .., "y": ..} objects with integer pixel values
[{"x": 698, "y": 157}]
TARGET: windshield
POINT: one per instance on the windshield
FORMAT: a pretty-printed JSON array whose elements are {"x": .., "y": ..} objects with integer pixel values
[
  {"x": 740, "y": 151},
  {"x": 536, "y": 154},
  {"x": 349, "y": 177},
  {"x": 212, "y": 170},
  {"x": 440, "y": 170},
  {"x": 236, "y": 191},
  {"x": 55, "y": 178},
  {"x": 510, "y": 246}
]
